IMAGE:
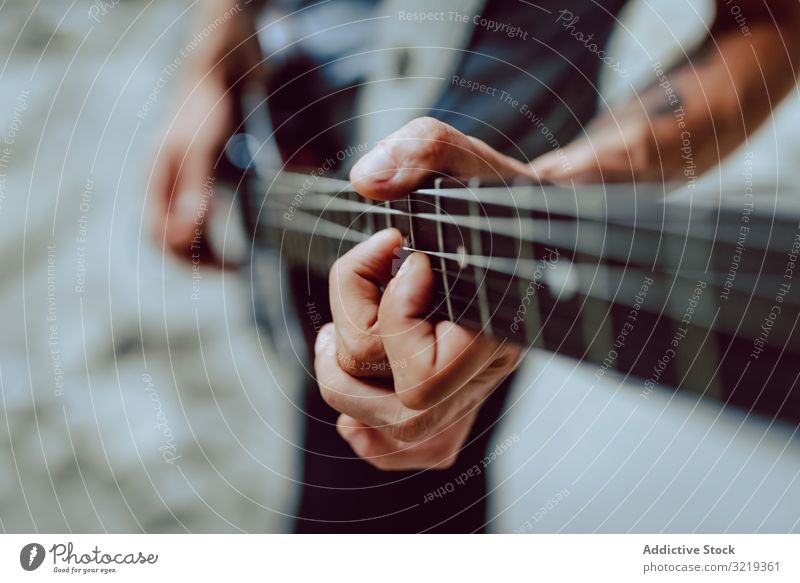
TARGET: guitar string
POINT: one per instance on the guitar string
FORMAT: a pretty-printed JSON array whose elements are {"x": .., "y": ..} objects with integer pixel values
[
  {"x": 522, "y": 196},
  {"x": 518, "y": 267},
  {"x": 600, "y": 227}
]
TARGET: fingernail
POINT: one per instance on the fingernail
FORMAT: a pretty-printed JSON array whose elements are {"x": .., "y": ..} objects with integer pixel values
[
  {"x": 406, "y": 266},
  {"x": 375, "y": 166}
]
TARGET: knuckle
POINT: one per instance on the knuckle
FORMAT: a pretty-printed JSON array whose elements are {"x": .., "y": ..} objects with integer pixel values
[
  {"x": 504, "y": 362},
  {"x": 425, "y": 126},
  {"x": 414, "y": 399},
  {"x": 412, "y": 428},
  {"x": 435, "y": 135},
  {"x": 421, "y": 397},
  {"x": 358, "y": 355}
]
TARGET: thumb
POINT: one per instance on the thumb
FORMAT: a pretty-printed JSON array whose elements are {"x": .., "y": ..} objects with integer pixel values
[{"x": 424, "y": 355}]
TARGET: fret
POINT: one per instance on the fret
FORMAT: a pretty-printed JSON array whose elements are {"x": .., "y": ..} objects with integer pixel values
[{"x": 445, "y": 280}]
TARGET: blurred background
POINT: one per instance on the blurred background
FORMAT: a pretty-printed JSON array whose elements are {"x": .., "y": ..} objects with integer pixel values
[{"x": 137, "y": 396}]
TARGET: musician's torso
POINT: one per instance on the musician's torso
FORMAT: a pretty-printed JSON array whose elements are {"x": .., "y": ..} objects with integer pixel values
[{"x": 521, "y": 77}]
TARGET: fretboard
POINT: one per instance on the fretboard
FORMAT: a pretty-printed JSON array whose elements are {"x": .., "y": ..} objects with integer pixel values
[{"x": 666, "y": 291}]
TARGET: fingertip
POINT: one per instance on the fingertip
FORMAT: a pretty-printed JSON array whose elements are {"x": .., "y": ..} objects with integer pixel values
[
  {"x": 325, "y": 338},
  {"x": 417, "y": 270},
  {"x": 371, "y": 173},
  {"x": 408, "y": 295},
  {"x": 347, "y": 426},
  {"x": 546, "y": 166},
  {"x": 390, "y": 235},
  {"x": 421, "y": 260}
]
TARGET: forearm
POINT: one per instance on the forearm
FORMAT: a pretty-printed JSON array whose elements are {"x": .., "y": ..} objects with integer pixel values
[
  {"x": 227, "y": 45},
  {"x": 738, "y": 76}
]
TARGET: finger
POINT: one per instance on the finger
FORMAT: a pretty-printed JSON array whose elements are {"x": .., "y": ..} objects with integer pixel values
[
  {"x": 386, "y": 453},
  {"x": 437, "y": 359},
  {"x": 356, "y": 281},
  {"x": 180, "y": 189},
  {"x": 614, "y": 149},
  {"x": 161, "y": 189},
  {"x": 374, "y": 406},
  {"x": 576, "y": 162},
  {"x": 367, "y": 442},
  {"x": 425, "y": 147},
  {"x": 189, "y": 205}
]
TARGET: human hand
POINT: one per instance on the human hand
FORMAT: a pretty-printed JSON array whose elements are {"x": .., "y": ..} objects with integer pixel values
[
  {"x": 652, "y": 138},
  {"x": 408, "y": 389},
  {"x": 182, "y": 181}
]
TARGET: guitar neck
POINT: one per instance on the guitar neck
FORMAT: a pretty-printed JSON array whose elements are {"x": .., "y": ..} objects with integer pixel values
[{"x": 669, "y": 292}]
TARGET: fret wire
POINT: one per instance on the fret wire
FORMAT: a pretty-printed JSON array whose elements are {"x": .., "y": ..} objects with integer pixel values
[
  {"x": 508, "y": 226},
  {"x": 463, "y": 275},
  {"x": 349, "y": 214},
  {"x": 522, "y": 197},
  {"x": 504, "y": 314},
  {"x": 318, "y": 226},
  {"x": 477, "y": 249},
  {"x": 504, "y": 317},
  {"x": 440, "y": 237},
  {"x": 500, "y": 322},
  {"x": 531, "y": 323},
  {"x": 370, "y": 216},
  {"x": 601, "y": 294},
  {"x": 323, "y": 228},
  {"x": 501, "y": 316},
  {"x": 458, "y": 298},
  {"x": 388, "y": 215},
  {"x": 411, "y": 223},
  {"x": 533, "y": 317},
  {"x": 507, "y": 265},
  {"x": 599, "y": 284},
  {"x": 500, "y": 310}
]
